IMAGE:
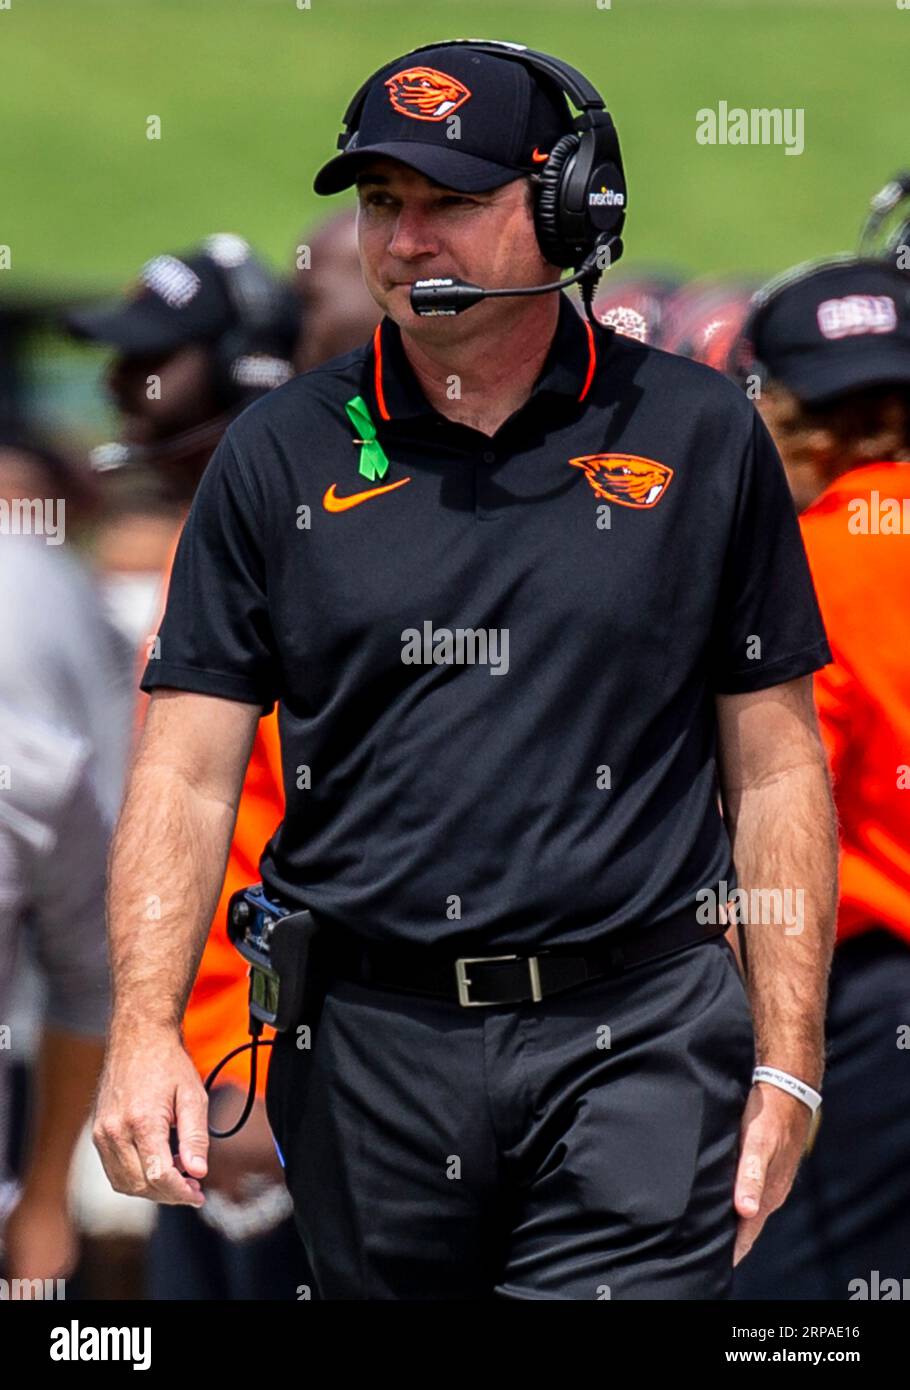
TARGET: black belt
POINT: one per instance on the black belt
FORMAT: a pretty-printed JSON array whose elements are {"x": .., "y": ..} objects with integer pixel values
[{"x": 506, "y": 979}]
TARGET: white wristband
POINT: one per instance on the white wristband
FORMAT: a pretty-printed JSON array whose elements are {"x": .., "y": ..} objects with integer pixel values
[{"x": 789, "y": 1083}]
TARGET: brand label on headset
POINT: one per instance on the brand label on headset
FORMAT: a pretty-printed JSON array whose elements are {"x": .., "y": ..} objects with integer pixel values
[{"x": 606, "y": 198}]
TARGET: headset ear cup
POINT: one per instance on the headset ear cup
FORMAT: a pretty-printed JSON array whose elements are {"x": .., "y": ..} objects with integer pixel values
[{"x": 547, "y": 211}]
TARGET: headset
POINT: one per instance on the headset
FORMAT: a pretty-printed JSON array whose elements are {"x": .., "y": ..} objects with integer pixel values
[
  {"x": 580, "y": 193},
  {"x": 878, "y": 239}
]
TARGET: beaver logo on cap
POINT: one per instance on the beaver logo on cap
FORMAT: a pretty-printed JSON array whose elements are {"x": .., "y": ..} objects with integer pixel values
[
  {"x": 426, "y": 94},
  {"x": 625, "y": 478}
]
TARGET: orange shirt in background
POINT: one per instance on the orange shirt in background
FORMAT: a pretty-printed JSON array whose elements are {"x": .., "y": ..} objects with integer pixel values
[
  {"x": 862, "y": 578},
  {"x": 216, "y": 1018}
]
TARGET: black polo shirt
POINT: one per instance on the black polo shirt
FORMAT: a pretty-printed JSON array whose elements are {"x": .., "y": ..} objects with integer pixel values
[{"x": 621, "y": 550}]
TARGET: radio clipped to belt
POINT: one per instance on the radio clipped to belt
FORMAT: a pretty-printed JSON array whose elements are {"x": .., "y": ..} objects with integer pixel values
[{"x": 276, "y": 942}]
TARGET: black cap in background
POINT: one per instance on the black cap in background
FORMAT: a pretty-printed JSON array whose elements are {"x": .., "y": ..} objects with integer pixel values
[
  {"x": 173, "y": 301},
  {"x": 838, "y": 328}
]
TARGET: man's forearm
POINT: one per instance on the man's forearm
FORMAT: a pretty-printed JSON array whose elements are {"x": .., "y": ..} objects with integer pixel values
[
  {"x": 167, "y": 865},
  {"x": 784, "y": 835}
]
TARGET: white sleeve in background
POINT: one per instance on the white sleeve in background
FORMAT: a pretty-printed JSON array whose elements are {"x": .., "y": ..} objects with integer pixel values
[{"x": 53, "y": 849}]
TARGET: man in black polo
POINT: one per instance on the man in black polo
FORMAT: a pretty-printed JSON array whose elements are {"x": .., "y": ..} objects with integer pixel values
[{"x": 531, "y": 599}]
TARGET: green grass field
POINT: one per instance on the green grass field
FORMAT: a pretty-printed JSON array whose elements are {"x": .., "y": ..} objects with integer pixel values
[{"x": 250, "y": 95}]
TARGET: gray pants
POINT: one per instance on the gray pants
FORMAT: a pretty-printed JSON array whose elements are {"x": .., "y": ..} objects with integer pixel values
[{"x": 583, "y": 1147}]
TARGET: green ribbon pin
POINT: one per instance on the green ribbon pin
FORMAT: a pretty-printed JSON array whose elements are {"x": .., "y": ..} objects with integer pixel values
[{"x": 373, "y": 462}]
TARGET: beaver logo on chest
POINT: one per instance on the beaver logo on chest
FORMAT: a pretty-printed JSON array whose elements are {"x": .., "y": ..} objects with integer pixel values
[{"x": 625, "y": 478}]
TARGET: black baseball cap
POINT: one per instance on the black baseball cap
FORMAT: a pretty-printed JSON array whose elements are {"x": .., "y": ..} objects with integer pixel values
[
  {"x": 175, "y": 300},
  {"x": 510, "y": 121},
  {"x": 838, "y": 328}
]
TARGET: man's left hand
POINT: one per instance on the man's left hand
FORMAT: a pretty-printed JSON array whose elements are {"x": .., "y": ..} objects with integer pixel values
[{"x": 773, "y": 1137}]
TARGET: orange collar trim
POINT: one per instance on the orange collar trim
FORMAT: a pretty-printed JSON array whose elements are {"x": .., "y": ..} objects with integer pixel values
[
  {"x": 377, "y": 373},
  {"x": 592, "y": 360},
  {"x": 377, "y": 368}
]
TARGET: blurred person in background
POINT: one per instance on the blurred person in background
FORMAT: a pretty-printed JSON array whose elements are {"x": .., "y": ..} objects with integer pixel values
[
  {"x": 704, "y": 318},
  {"x": 830, "y": 347},
  {"x": 65, "y": 705},
  {"x": 636, "y": 306},
  {"x": 338, "y": 313},
  {"x": 196, "y": 339}
]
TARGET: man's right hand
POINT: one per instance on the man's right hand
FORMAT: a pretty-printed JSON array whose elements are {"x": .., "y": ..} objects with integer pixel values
[
  {"x": 149, "y": 1085},
  {"x": 173, "y": 835}
]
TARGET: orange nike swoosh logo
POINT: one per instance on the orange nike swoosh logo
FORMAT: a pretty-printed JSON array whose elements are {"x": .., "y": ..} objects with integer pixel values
[
  {"x": 341, "y": 504},
  {"x": 537, "y": 157}
]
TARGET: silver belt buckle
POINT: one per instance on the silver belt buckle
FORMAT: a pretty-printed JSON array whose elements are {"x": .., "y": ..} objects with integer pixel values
[{"x": 464, "y": 983}]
